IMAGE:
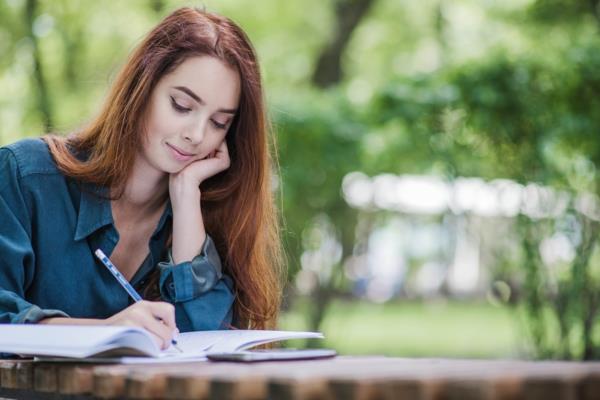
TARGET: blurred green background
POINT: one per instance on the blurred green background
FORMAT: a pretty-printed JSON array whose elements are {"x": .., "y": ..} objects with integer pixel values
[{"x": 439, "y": 159}]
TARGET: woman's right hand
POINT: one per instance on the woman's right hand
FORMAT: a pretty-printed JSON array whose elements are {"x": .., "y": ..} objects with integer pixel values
[{"x": 156, "y": 317}]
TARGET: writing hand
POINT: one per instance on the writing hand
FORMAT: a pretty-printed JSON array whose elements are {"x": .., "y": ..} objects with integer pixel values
[{"x": 156, "y": 317}]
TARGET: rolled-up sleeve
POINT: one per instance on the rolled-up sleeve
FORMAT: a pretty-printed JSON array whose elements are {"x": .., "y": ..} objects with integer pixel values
[
  {"x": 199, "y": 290},
  {"x": 209, "y": 311},
  {"x": 188, "y": 280},
  {"x": 17, "y": 258}
]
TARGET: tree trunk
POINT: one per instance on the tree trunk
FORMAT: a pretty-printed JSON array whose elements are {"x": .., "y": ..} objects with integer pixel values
[
  {"x": 158, "y": 6},
  {"x": 38, "y": 75},
  {"x": 349, "y": 13},
  {"x": 595, "y": 10}
]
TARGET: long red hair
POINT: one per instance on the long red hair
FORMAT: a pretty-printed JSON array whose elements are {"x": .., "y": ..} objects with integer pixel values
[{"x": 238, "y": 204}]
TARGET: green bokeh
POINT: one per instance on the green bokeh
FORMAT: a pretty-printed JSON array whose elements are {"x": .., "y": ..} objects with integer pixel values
[{"x": 416, "y": 329}]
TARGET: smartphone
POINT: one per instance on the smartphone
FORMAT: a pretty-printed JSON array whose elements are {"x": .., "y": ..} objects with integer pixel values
[{"x": 273, "y": 355}]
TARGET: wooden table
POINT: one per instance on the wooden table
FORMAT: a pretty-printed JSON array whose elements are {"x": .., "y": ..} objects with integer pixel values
[{"x": 339, "y": 378}]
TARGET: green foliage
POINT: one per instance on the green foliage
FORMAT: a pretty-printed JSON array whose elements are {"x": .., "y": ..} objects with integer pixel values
[
  {"x": 570, "y": 11},
  {"x": 527, "y": 120},
  {"x": 318, "y": 146}
]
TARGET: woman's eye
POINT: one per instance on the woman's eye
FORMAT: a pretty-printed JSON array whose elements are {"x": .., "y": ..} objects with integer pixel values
[
  {"x": 179, "y": 108},
  {"x": 218, "y": 125}
]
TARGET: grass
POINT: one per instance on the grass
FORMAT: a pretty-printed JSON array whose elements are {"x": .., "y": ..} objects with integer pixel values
[{"x": 415, "y": 329}]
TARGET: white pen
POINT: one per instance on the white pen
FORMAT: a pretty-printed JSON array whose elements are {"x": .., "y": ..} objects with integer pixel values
[{"x": 126, "y": 285}]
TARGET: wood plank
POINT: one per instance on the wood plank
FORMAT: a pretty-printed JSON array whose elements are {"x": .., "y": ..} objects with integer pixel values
[
  {"x": 148, "y": 384},
  {"x": 373, "y": 388},
  {"x": 408, "y": 388},
  {"x": 109, "y": 382},
  {"x": 305, "y": 388},
  {"x": 167, "y": 381},
  {"x": 484, "y": 385},
  {"x": 193, "y": 381},
  {"x": 343, "y": 377},
  {"x": 311, "y": 379},
  {"x": 550, "y": 387},
  {"x": 45, "y": 377},
  {"x": 8, "y": 374},
  {"x": 466, "y": 389},
  {"x": 352, "y": 389},
  {"x": 75, "y": 379},
  {"x": 554, "y": 379},
  {"x": 24, "y": 374},
  {"x": 184, "y": 387},
  {"x": 589, "y": 387},
  {"x": 238, "y": 387},
  {"x": 429, "y": 379},
  {"x": 201, "y": 380},
  {"x": 239, "y": 380}
]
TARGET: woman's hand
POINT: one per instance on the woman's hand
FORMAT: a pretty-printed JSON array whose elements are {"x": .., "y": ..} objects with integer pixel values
[
  {"x": 188, "y": 226},
  {"x": 190, "y": 177},
  {"x": 156, "y": 317},
  {"x": 143, "y": 314}
]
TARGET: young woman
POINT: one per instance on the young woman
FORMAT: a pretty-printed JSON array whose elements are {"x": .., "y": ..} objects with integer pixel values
[{"x": 171, "y": 181}]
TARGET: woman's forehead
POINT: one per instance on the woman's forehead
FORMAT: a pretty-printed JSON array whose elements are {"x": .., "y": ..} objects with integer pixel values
[{"x": 208, "y": 79}]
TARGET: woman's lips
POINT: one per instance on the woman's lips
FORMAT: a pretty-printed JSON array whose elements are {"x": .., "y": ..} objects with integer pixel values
[{"x": 179, "y": 154}]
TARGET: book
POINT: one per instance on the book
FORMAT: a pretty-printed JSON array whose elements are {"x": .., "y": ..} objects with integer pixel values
[{"x": 128, "y": 344}]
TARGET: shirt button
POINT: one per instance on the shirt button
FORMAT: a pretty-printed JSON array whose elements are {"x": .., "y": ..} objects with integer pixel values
[{"x": 171, "y": 285}]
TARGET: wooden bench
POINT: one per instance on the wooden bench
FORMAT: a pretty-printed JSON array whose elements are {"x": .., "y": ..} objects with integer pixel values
[{"x": 344, "y": 377}]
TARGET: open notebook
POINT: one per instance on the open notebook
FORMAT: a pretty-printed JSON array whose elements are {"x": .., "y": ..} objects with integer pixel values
[{"x": 129, "y": 343}]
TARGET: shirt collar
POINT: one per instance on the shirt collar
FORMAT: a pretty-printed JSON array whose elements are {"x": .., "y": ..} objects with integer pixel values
[{"x": 94, "y": 210}]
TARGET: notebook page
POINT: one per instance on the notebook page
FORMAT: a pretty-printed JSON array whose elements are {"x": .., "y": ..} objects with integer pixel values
[
  {"x": 235, "y": 340},
  {"x": 70, "y": 340},
  {"x": 196, "y": 342}
]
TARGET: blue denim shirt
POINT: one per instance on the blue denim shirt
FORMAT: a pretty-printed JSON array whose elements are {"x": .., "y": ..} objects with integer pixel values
[{"x": 50, "y": 226}]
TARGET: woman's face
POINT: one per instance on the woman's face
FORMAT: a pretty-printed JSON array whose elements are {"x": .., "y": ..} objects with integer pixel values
[{"x": 191, "y": 109}]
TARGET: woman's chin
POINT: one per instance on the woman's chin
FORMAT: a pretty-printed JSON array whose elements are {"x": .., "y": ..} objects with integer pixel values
[
  {"x": 168, "y": 169},
  {"x": 174, "y": 169}
]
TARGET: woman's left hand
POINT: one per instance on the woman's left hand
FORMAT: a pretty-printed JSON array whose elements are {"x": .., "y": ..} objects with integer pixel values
[
  {"x": 185, "y": 195},
  {"x": 190, "y": 177}
]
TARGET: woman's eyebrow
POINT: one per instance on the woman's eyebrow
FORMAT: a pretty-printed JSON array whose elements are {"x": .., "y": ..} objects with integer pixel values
[{"x": 200, "y": 101}]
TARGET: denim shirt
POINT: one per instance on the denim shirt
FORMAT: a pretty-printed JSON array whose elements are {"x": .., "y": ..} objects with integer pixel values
[{"x": 50, "y": 226}]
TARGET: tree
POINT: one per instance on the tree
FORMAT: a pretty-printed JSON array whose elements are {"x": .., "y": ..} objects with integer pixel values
[{"x": 349, "y": 14}]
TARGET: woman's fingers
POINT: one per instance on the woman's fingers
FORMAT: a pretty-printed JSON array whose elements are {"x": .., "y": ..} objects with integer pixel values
[
  {"x": 218, "y": 159},
  {"x": 161, "y": 321},
  {"x": 158, "y": 340},
  {"x": 165, "y": 312},
  {"x": 192, "y": 175},
  {"x": 222, "y": 153},
  {"x": 158, "y": 328},
  {"x": 156, "y": 317}
]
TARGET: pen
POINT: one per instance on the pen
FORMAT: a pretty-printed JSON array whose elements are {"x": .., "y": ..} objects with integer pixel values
[{"x": 126, "y": 285}]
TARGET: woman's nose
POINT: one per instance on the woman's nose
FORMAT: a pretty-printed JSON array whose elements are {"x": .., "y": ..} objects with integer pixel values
[{"x": 195, "y": 133}]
